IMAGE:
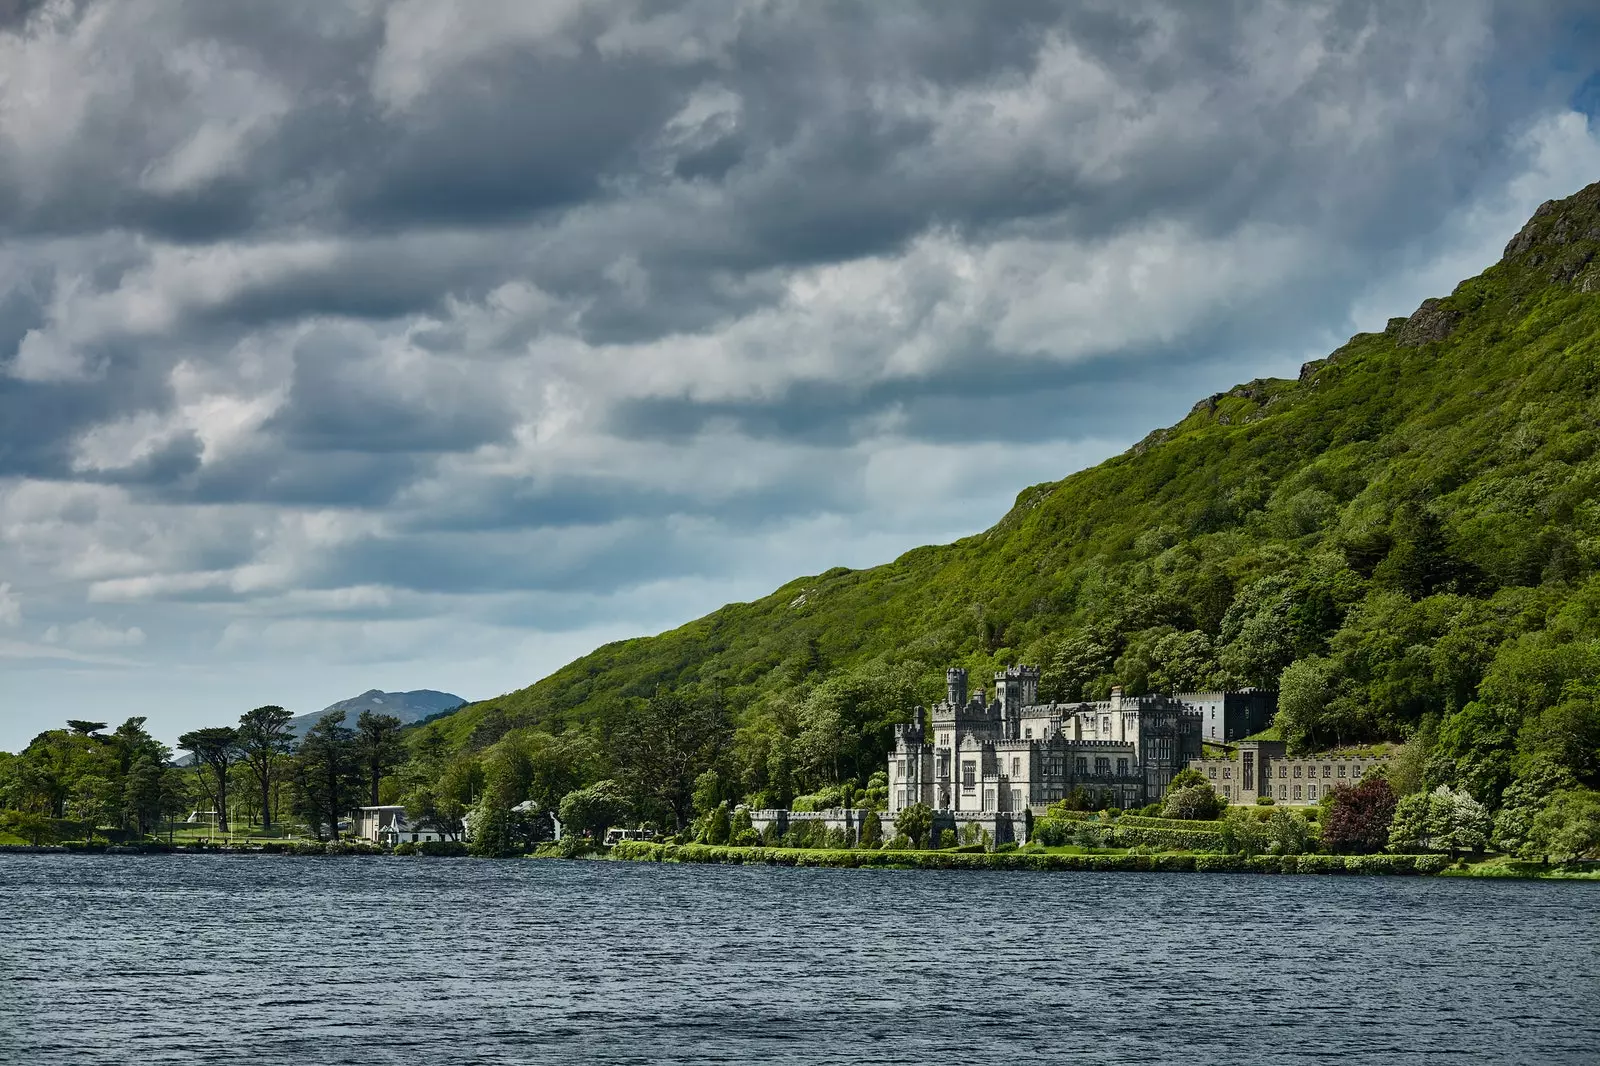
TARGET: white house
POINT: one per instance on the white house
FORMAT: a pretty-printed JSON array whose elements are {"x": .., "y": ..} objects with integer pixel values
[{"x": 388, "y": 825}]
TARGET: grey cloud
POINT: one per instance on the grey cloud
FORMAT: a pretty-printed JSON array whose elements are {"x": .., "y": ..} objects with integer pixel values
[{"x": 346, "y": 229}]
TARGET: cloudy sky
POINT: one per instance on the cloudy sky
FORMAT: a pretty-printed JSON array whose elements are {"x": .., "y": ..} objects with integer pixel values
[{"x": 415, "y": 344}]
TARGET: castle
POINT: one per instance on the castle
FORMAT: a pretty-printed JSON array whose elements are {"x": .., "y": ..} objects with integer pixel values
[{"x": 997, "y": 761}]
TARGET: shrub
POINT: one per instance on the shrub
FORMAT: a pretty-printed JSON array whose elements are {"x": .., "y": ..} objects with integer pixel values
[
  {"x": 453, "y": 849},
  {"x": 914, "y": 822},
  {"x": 1192, "y": 802},
  {"x": 405, "y": 847},
  {"x": 871, "y": 830},
  {"x": 1358, "y": 818},
  {"x": 947, "y": 838},
  {"x": 837, "y": 838},
  {"x": 1265, "y": 801}
]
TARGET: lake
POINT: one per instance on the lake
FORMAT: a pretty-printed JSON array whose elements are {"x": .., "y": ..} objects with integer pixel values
[{"x": 153, "y": 959}]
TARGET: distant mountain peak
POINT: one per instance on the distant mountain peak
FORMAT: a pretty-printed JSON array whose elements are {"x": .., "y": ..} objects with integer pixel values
[{"x": 410, "y": 707}]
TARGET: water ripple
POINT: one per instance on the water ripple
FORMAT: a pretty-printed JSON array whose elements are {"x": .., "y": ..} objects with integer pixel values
[{"x": 212, "y": 959}]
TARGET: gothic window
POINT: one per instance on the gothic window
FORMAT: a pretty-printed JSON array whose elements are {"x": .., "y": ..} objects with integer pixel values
[
  {"x": 1082, "y": 765},
  {"x": 1027, "y": 734},
  {"x": 1105, "y": 727},
  {"x": 1341, "y": 771},
  {"x": 988, "y": 799},
  {"x": 1227, "y": 791},
  {"x": 1016, "y": 799},
  {"x": 1122, "y": 767},
  {"x": 1227, "y": 773},
  {"x": 1283, "y": 792},
  {"x": 1102, "y": 765},
  {"x": 1327, "y": 771},
  {"x": 1297, "y": 792},
  {"x": 969, "y": 775},
  {"x": 1297, "y": 776},
  {"x": 1211, "y": 772},
  {"x": 1311, "y": 792},
  {"x": 1283, "y": 771},
  {"x": 1016, "y": 767}
]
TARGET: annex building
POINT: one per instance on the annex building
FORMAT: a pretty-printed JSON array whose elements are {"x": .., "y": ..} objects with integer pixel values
[
  {"x": 999, "y": 760},
  {"x": 1254, "y": 768}
]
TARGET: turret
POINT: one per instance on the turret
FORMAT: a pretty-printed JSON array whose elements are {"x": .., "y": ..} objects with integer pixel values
[
  {"x": 955, "y": 686},
  {"x": 912, "y": 732}
]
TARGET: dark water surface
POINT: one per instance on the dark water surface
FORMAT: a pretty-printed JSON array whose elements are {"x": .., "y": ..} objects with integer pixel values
[{"x": 271, "y": 960}]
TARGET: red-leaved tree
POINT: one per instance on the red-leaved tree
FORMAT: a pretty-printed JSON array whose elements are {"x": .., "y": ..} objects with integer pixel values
[{"x": 1358, "y": 821}]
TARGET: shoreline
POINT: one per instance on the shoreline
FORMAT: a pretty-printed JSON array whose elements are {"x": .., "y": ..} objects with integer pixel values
[{"x": 1384, "y": 865}]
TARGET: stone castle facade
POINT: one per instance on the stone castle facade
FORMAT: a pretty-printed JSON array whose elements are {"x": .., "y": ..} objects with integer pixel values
[{"x": 999, "y": 760}]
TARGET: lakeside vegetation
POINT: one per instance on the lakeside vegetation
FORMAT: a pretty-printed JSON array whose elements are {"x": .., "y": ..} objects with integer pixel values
[{"x": 1405, "y": 541}]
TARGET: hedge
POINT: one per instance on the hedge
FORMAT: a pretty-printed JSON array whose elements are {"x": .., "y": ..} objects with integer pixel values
[
  {"x": 639, "y": 851},
  {"x": 1190, "y": 825}
]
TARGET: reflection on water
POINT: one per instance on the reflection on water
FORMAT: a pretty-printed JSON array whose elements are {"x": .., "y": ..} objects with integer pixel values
[{"x": 269, "y": 960}]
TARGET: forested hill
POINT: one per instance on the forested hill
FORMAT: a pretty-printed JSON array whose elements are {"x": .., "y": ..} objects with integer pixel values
[{"x": 1407, "y": 536}]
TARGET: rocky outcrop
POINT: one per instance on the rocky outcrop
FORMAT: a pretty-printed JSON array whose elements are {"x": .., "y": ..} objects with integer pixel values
[{"x": 1433, "y": 321}]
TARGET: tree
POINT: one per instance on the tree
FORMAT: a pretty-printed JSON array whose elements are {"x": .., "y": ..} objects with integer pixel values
[
  {"x": 1199, "y": 802},
  {"x": 1287, "y": 832},
  {"x": 871, "y": 830},
  {"x": 1304, "y": 689},
  {"x": 665, "y": 744},
  {"x": 914, "y": 822},
  {"x": 264, "y": 740},
  {"x": 1441, "y": 820},
  {"x": 327, "y": 773},
  {"x": 141, "y": 793},
  {"x": 378, "y": 742},
  {"x": 1243, "y": 833},
  {"x": 741, "y": 831},
  {"x": 1522, "y": 801},
  {"x": 1569, "y": 827},
  {"x": 94, "y": 801},
  {"x": 594, "y": 809},
  {"x": 1359, "y": 818},
  {"x": 718, "y": 824},
  {"x": 214, "y": 750},
  {"x": 83, "y": 728}
]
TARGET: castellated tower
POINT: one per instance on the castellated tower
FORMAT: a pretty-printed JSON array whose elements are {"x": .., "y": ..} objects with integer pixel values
[
  {"x": 1016, "y": 687},
  {"x": 955, "y": 686}
]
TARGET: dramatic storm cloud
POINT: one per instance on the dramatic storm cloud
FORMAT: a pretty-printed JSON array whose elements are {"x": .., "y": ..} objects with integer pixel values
[{"x": 416, "y": 344}]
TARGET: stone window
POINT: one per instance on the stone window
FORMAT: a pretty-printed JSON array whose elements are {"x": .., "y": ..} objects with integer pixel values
[
  {"x": 988, "y": 799},
  {"x": 1211, "y": 772},
  {"x": 1297, "y": 792},
  {"x": 1122, "y": 767},
  {"x": 1027, "y": 734},
  {"x": 1283, "y": 771},
  {"x": 1105, "y": 727},
  {"x": 1311, "y": 792},
  {"x": 1327, "y": 771},
  {"x": 1016, "y": 767},
  {"x": 1227, "y": 792},
  {"x": 1341, "y": 771},
  {"x": 1227, "y": 773},
  {"x": 969, "y": 775},
  {"x": 1283, "y": 792},
  {"x": 1083, "y": 766},
  {"x": 1102, "y": 765},
  {"x": 1297, "y": 775},
  {"x": 1016, "y": 799}
]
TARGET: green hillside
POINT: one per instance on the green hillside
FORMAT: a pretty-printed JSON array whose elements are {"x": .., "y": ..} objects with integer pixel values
[{"x": 1407, "y": 536}]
